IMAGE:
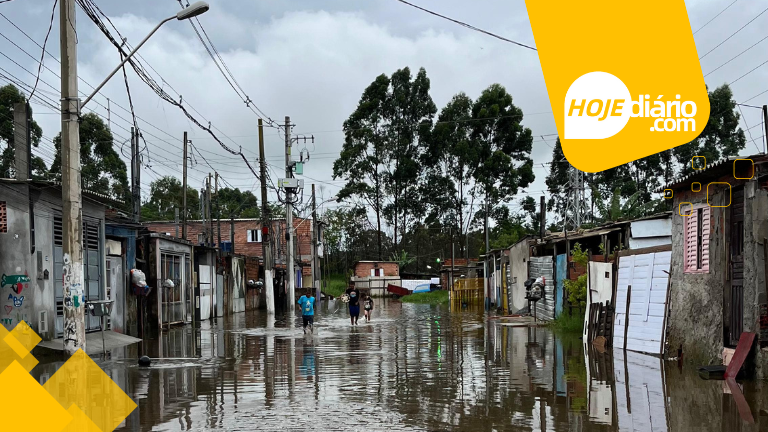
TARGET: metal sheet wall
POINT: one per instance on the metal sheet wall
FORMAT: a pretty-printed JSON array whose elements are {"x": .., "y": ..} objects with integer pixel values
[{"x": 543, "y": 266}]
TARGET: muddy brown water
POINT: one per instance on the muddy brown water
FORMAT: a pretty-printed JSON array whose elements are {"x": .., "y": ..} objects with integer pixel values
[{"x": 413, "y": 368}]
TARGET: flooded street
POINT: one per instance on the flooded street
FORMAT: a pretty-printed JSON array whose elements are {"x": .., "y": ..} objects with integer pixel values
[{"x": 414, "y": 367}]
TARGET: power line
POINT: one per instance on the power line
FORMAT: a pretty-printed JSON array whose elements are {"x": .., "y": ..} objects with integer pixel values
[
  {"x": 734, "y": 34},
  {"x": 754, "y": 69},
  {"x": 715, "y": 17},
  {"x": 735, "y": 57},
  {"x": 45, "y": 42},
  {"x": 471, "y": 27}
]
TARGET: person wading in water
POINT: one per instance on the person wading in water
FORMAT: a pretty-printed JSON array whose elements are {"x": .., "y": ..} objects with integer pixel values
[
  {"x": 354, "y": 304},
  {"x": 307, "y": 304}
]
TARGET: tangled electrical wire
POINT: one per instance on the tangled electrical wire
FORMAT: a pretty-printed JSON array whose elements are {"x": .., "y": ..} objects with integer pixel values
[{"x": 95, "y": 14}]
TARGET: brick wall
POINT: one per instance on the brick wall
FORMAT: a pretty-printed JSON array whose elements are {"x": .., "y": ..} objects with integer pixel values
[
  {"x": 575, "y": 270},
  {"x": 242, "y": 246},
  {"x": 363, "y": 269}
]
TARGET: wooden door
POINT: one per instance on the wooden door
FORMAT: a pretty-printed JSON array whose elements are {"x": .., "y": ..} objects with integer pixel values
[{"x": 736, "y": 312}]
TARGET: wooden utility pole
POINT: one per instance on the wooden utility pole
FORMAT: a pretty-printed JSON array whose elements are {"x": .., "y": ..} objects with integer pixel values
[
  {"x": 135, "y": 175},
  {"x": 184, "y": 192},
  {"x": 72, "y": 214},
  {"x": 542, "y": 218},
  {"x": 266, "y": 227},
  {"x": 765, "y": 125}
]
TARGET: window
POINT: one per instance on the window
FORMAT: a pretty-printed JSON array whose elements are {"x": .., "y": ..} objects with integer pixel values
[
  {"x": 3, "y": 217},
  {"x": 696, "y": 233},
  {"x": 201, "y": 238},
  {"x": 377, "y": 272},
  {"x": 253, "y": 236}
]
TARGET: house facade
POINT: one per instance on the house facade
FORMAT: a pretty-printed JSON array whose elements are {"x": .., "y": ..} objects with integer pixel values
[
  {"x": 718, "y": 273},
  {"x": 32, "y": 259},
  {"x": 375, "y": 276}
]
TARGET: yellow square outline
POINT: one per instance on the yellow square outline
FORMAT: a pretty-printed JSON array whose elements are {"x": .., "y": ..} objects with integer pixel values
[
  {"x": 680, "y": 205},
  {"x": 705, "y": 163},
  {"x": 699, "y": 190},
  {"x": 669, "y": 197},
  {"x": 730, "y": 194},
  {"x": 743, "y": 178}
]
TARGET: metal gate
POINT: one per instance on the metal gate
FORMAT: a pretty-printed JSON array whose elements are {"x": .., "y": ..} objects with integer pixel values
[
  {"x": 543, "y": 266},
  {"x": 561, "y": 274},
  {"x": 736, "y": 324}
]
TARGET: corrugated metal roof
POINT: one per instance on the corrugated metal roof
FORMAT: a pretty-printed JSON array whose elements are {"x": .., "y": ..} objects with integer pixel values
[{"x": 680, "y": 180}]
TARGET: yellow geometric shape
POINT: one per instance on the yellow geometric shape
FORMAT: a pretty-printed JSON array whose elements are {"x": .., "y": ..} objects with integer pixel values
[
  {"x": 9, "y": 354},
  {"x": 80, "y": 381},
  {"x": 730, "y": 194},
  {"x": 752, "y": 169},
  {"x": 702, "y": 166},
  {"x": 666, "y": 79},
  {"x": 668, "y": 193},
  {"x": 680, "y": 209},
  {"x": 26, "y": 337},
  {"x": 695, "y": 187},
  {"x": 80, "y": 422},
  {"x": 26, "y": 406}
]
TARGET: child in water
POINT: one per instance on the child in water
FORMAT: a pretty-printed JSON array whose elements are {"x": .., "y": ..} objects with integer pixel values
[{"x": 368, "y": 307}]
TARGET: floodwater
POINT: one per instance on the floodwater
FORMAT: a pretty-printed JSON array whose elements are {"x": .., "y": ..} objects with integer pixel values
[{"x": 413, "y": 368}]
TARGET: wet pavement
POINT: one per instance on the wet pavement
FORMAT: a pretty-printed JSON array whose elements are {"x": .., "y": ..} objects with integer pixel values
[{"x": 414, "y": 367}]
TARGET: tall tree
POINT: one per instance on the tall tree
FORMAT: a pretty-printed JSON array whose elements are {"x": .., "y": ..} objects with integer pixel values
[
  {"x": 450, "y": 159},
  {"x": 165, "y": 196},
  {"x": 557, "y": 181},
  {"x": 101, "y": 168},
  {"x": 234, "y": 203},
  {"x": 721, "y": 137},
  {"x": 10, "y": 96},
  {"x": 503, "y": 164},
  {"x": 408, "y": 118},
  {"x": 362, "y": 161}
]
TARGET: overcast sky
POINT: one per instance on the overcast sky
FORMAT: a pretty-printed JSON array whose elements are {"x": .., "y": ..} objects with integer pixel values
[{"x": 311, "y": 60}]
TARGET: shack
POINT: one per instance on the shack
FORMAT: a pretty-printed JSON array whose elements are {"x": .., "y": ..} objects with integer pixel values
[
  {"x": 718, "y": 277},
  {"x": 374, "y": 276}
]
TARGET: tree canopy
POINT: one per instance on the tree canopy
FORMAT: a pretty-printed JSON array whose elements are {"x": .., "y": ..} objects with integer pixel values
[{"x": 9, "y": 97}]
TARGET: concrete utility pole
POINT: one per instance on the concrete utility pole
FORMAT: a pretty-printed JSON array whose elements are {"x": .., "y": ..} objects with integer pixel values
[
  {"x": 315, "y": 268},
  {"x": 453, "y": 260},
  {"x": 136, "y": 175},
  {"x": 485, "y": 262},
  {"x": 232, "y": 233},
  {"x": 289, "y": 217},
  {"x": 218, "y": 216},
  {"x": 208, "y": 221},
  {"x": 184, "y": 192},
  {"x": 266, "y": 227},
  {"x": 542, "y": 218},
  {"x": 765, "y": 125},
  {"x": 72, "y": 217}
]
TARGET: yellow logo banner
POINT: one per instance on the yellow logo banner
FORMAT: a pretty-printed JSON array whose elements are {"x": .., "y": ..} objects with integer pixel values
[
  {"x": 78, "y": 397},
  {"x": 623, "y": 78}
]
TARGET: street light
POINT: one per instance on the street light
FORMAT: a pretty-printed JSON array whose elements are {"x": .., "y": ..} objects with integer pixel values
[{"x": 191, "y": 11}]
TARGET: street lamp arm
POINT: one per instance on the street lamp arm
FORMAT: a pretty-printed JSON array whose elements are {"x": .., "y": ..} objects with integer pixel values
[{"x": 128, "y": 57}]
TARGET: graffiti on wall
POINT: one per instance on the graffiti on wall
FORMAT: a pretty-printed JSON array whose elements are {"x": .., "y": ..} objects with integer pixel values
[
  {"x": 16, "y": 301},
  {"x": 17, "y": 282}
]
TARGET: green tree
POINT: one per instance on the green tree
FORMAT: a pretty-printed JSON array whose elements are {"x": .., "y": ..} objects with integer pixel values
[
  {"x": 534, "y": 213},
  {"x": 577, "y": 290},
  {"x": 409, "y": 111},
  {"x": 362, "y": 161},
  {"x": 721, "y": 137},
  {"x": 165, "y": 196},
  {"x": 10, "y": 96},
  {"x": 234, "y": 203},
  {"x": 503, "y": 163},
  {"x": 101, "y": 168},
  {"x": 450, "y": 158}
]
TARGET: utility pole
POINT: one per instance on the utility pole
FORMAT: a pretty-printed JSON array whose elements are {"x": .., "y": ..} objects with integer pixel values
[
  {"x": 184, "y": 193},
  {"x": 289, "y": 217},
  {"x": 72, "y": 217},
  {"x": 232, "y": 233},
  {"x": 135, "y": 175},
  {"x": 266, "y": 227},
  {"x": 453, "y": 260},
  {"x": 485, "y": 263},
  {"x": 315, "y": 239},
  {"x": 208, "y": 221},
  {"x": 765, "y": 125},
  {"x": 218, "y": 216},
  {"x": 176, "y": 220},
  {"x": 542, "y": 218}
]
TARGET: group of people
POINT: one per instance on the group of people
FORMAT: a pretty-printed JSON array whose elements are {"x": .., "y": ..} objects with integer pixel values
[{"x": 307, "y": 305}]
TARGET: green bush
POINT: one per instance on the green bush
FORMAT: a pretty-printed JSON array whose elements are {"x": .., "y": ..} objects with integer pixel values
[
  {"x": 577, "y": 290},
  {"x": 433, "y": 298},
  {"x": 336, "y": 286}
]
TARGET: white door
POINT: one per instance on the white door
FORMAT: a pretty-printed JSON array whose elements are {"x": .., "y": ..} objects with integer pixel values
[
  {"x": 204, "y": 278},
  {"x": 238, "y": 286},
  {"x": 116, "y": 293},
  {"x": 642, "y": 282},
  {"x": 599, "y": 287}
]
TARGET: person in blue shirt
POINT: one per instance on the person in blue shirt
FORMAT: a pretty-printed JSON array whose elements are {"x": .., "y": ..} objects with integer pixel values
[{"x": 307, "y": 304}]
